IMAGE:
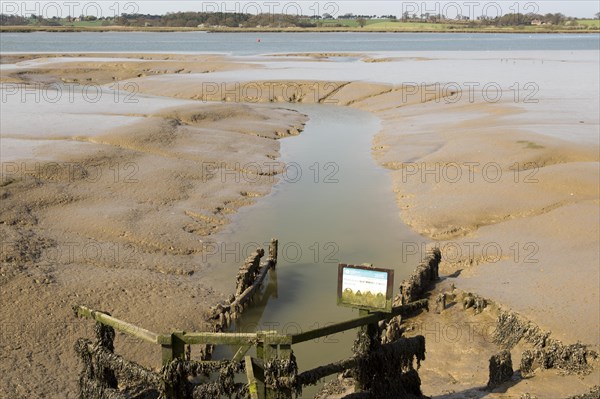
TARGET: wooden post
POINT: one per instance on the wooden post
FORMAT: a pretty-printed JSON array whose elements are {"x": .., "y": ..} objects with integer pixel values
[
  {"x": 105, "y": 336},
  {"x": 255, "y": 374},
  {"x": 267, "y": 348},
  {"x": 285, "y": 352},
  {"x": 371, "y": 331},
  {"x": 269, "y": 352},
  {"x": 175, "y": 349},
  {"x": 273, "y": 248},
  {"x": 260, "y": 355},
  {"x": 358, "y": 387},
  {"x": 260, "y": 346}
]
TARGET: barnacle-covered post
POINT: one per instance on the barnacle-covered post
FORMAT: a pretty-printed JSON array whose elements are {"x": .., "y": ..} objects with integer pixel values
[
  {"x": 501, "y": 369},
  {"x": 97, "y": 377},
  {"x": 367, "y": 341},
  {"x": 269, "y": 354},
  {"x": 279, "y": 365},
  {"x": 175, "y": 376},
  {"x": 173, "y": 351},
  {"x": 105, "y": 336}
]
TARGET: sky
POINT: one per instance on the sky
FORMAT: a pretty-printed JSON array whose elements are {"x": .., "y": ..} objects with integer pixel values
[{"x": 472, "y": 8}]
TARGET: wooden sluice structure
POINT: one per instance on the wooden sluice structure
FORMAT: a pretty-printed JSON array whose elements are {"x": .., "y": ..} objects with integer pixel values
[{"x": 383, "y": 360}]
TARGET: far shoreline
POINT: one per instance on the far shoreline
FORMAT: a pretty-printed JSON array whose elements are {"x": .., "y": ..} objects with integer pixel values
[{"x": 73, "y": 29}]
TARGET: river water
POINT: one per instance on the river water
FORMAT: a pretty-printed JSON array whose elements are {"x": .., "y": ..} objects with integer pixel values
[
  {"x": 248, "y": 44},
  {"x": 332, "y": 205}
]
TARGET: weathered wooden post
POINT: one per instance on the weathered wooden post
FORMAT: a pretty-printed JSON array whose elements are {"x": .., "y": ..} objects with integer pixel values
[
  {"x": 287, "y": 356},
  {"x": 256, "y": 378},
  {"x": 276, "y": 364},
  {"x": 105, "y": 336},
  {"x": 367, "y": 341},
  {"x": 273, "y": 248},
  {"x": 269, "y": 354},
  {"x": 261, "y": 350},
  {"x": 501, "y": 369},
  {"x": 172, "y": 348}
]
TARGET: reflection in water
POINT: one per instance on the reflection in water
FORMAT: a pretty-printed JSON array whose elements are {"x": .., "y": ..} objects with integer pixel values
[{"x": 249, "y": 322}]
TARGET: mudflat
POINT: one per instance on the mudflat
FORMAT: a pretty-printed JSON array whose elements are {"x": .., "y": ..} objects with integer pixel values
[{"x": 109, "y": 205}]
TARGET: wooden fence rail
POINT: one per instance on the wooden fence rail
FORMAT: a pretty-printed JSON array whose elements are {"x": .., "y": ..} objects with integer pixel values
[
  {"x": 269, "y": 344},
  {"x": 272, "y": 374},
  {"x": 370, "y": 318},
  {"x": 120, "y": 325}
]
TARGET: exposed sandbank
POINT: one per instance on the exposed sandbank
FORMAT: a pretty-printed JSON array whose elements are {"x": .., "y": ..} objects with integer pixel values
[
  {"x": 116, "y": 218},
  {"x": 538, "y": 192}
]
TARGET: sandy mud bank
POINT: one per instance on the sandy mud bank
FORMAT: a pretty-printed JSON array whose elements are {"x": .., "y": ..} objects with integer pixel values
[{"x": 514, "y": 210}]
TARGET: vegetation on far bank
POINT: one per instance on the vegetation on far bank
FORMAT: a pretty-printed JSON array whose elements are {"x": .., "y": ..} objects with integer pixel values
[
  {"x": 408, "y": 27},
  {"x": 234, "y": 22}
]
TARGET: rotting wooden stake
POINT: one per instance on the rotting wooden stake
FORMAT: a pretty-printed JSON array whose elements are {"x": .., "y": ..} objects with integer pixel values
[{"x": 273, "y": 248}]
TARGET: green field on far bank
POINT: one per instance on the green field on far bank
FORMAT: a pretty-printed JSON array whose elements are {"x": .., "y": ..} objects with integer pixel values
[
  {"x": 408, "y": 26},
  {"x": 589, "y": 22}
]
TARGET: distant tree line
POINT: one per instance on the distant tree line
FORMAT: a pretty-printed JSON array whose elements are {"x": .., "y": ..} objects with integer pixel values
[
  {"x": 527, "y": 19},
  {"x": 12, "y": 20},
  {"x": 16, "y": 20},
  {"x": 234, "y": 20},
  {"x": 504, "y": 20},
  {"x": 178, "y": 19}
]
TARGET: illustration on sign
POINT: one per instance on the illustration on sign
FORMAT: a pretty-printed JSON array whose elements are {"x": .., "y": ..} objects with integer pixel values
[{"x": 364, "y": 287}]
